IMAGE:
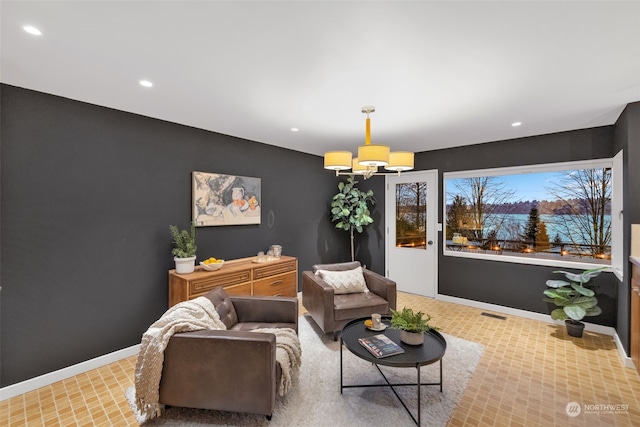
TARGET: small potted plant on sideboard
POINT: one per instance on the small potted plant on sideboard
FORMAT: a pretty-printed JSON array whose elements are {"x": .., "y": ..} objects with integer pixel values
[{"x": 184, "y": 248}]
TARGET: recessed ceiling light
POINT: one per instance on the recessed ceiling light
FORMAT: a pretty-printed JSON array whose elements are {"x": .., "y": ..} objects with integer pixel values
[
  {"x": 32, "y": 30},
  {"x": 514, "y": 124},
  {"x": 294, "y": 129},
  {"x": 146, "y": 83}
]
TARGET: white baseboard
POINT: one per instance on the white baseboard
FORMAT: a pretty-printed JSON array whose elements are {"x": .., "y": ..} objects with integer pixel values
[
  {"x": 61, "y": 374},
  {"x": 626, "y": 360},
  {"x": 591, "y": 327}
]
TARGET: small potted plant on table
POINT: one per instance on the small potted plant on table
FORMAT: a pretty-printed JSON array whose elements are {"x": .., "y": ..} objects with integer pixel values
[
  {"x": 412, "y": 325},
  {"x": 184, "y": 248},
  {"x": 575, "y": 299}
]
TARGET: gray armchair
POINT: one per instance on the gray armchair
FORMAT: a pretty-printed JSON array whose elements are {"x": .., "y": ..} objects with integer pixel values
[
  {"x": 233, "y": 370},
  {"x": 332, "y": 311}
]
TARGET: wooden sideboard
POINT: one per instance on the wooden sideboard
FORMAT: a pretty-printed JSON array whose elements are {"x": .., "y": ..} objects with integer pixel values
[{"x": 238, "y": 277}]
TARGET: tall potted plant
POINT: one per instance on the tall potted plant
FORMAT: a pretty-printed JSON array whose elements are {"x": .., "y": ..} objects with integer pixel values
[
  {"x": 184, "y": 248},
  {"x": 575, "y": 299},
  {"x": 350, "y": 208}
]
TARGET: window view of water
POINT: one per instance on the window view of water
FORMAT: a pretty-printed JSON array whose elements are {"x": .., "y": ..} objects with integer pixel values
[
  {"x": 557, "y": 227},
  {"x": 540, "y": 215}
]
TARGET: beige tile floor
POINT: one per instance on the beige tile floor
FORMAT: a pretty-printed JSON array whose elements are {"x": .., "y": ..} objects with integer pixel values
[{"x": 528, "y": 374}]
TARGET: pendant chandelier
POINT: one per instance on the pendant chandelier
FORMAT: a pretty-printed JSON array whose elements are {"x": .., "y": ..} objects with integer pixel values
[{"x": 370, "y": 157}]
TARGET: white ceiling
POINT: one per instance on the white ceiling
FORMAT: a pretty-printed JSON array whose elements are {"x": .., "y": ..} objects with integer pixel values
[{"x": 440, "y": 74}]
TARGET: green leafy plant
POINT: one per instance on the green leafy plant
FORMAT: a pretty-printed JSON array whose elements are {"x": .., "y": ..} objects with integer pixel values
[
  {"x": 410, "y": 321},
  {"x": 184, "y": 242},
  {"x": 576, "y": 298},
  {"x": 350, "y": 208}
]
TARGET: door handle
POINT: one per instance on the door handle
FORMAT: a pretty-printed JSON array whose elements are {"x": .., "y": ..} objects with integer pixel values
[
  {"x": 275, "y": 282},
  {"x": 430, "y": 242}
]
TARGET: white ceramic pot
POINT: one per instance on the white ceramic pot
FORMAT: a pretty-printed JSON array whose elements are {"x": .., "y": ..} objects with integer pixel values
[
  {"x": 185, "y": 265},
  {"x": 411, "y": 338}
]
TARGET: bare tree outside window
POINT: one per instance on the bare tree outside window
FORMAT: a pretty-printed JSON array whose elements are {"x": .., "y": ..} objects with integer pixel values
[
  {"x": 411, "y": 214},
  {"x": 586, "y": 198},
  {"x": 486, "y": 197}
]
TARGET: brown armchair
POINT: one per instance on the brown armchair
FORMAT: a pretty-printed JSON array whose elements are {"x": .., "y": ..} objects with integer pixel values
[
  {"x": 233, "y": 370},
  {"x": 332, "y": 311}
]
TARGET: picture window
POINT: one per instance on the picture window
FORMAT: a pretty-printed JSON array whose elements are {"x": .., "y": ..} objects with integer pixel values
[{"x": 555, "y": 214}]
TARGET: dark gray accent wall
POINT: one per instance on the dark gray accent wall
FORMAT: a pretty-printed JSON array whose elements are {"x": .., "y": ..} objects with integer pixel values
[
  {"x": 512, "y": 285},
  {"x": 627, "y": 138},
  {"x": 87, "y": 196}
]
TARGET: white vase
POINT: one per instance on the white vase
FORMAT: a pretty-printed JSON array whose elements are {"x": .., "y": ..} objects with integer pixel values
[
  {"x": 411, "y": 338},
  {"x": 185, "y": 265}
]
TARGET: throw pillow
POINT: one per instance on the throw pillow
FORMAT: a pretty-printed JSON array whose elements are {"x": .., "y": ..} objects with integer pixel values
[{"x": 344, "y": 282}]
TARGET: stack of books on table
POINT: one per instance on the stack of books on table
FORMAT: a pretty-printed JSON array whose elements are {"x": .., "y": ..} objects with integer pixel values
[{"x": 380, "y": 345}]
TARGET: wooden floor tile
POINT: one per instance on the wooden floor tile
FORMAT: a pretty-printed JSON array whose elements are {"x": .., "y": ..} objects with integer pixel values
[{"x": 528, "y": 387}]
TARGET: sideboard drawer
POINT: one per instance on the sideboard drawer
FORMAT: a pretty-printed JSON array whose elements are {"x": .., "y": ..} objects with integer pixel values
[
  {"x": 205, "y": 285},
  {"x": 283, "y": 285},
  {"x": 243, "y": 290},
  {"x": 272, "y": 270}
]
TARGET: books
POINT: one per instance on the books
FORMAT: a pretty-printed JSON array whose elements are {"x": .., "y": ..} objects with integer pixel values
[{"x": 380, "y": 345}]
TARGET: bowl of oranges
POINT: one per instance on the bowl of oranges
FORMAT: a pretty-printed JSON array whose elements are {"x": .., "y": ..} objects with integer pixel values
[{"x": 212, "y": 264}]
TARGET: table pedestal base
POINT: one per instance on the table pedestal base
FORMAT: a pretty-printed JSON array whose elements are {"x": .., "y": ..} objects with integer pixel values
[{"x": 417, "y": 384}]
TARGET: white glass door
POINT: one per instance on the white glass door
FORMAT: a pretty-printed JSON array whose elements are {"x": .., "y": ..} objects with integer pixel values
[{"x": 411, "y": 224}]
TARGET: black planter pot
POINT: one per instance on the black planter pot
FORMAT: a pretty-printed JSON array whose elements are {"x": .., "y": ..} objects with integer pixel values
[{"x": 574, "y": 328}]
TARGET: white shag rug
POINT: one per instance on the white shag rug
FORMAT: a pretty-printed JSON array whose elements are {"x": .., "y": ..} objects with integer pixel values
[{"x": 315, "y": 400}]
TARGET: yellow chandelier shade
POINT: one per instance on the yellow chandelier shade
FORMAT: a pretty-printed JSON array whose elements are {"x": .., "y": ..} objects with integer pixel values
[
  {"x": 337, "y": 160},
  {"x": 356, "y": 168},
  {"x": 400, "y": 161},
  {"x": 373, "y": 155}
]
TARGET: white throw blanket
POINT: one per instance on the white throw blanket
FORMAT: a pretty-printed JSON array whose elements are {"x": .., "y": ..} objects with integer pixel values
[
  {"x": 193, "y": 315},
  {"x": 288, "y": 354}
]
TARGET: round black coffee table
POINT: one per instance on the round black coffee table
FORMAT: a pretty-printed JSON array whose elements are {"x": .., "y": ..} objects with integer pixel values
[{"x": 432, "y": 350}]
